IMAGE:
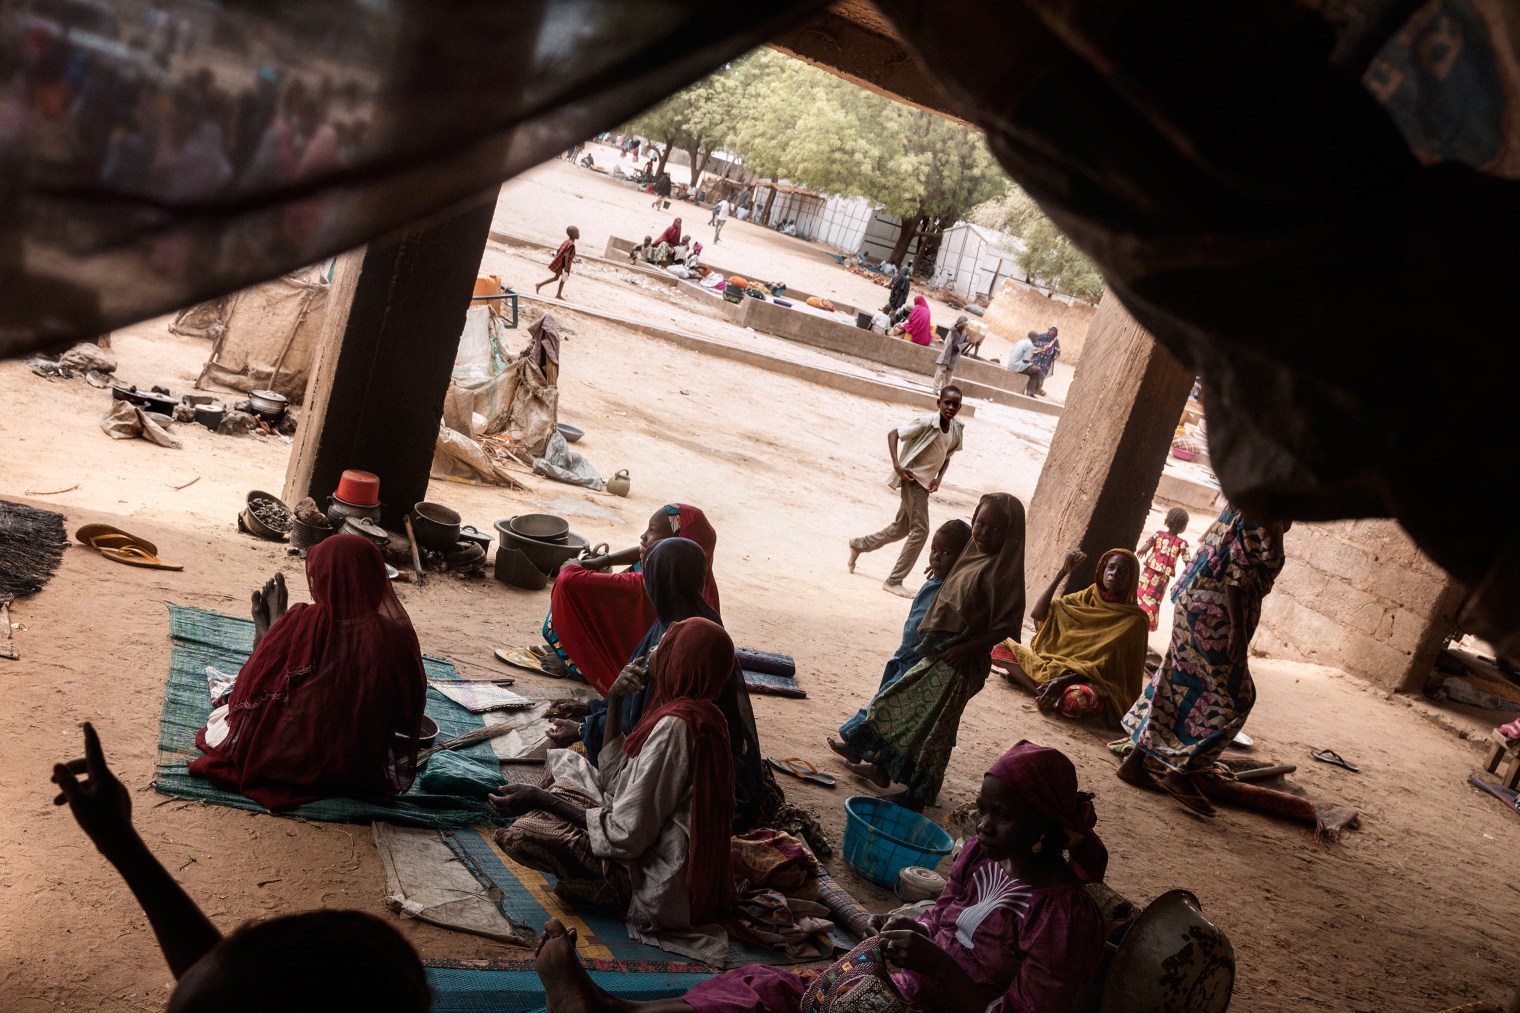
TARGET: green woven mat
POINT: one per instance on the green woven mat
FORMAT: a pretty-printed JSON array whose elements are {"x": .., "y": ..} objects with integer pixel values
[{"x": 224, "y": 642}]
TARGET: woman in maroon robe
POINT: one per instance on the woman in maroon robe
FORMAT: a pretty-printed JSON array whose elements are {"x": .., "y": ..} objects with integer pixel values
[{"x": 331, "y": 700}]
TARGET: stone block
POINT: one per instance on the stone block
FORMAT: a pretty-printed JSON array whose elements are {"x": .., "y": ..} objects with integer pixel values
[
  {"x": 1375, "y": 660},
  {"x": 1340, "y": 558}
]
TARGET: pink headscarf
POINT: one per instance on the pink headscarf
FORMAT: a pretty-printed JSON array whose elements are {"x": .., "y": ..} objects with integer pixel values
[
  {"x": 919, "y": 327},
  {"x": 1045, "y": 779}
]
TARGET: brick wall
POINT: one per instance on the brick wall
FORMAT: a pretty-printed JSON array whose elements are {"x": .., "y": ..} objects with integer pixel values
[{"x": 1360, "y": 596}]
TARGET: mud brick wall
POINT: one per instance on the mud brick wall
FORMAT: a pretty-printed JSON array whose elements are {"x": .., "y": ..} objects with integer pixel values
[
  {"x": 1017, "y": 309},
  {"x": 1360, "y": 596}
]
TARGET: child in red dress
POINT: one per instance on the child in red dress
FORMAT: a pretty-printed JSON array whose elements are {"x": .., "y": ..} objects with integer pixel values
[
  {"x": 564, "y": 258},
  {"x": 1166, "y": 549}
]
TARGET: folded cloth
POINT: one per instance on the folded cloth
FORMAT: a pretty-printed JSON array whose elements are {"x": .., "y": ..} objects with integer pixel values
[
  {"x": 800, "y": 928},
  {"x": 765, "y": 858}
]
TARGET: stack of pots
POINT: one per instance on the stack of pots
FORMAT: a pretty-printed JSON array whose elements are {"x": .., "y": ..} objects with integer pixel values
[
  {"x": 545, "y": 541},
  {"x": 357, "y": 497}
]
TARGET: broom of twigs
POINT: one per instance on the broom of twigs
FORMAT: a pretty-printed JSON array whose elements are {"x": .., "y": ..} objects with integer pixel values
[{"x": 31, "y": 546}]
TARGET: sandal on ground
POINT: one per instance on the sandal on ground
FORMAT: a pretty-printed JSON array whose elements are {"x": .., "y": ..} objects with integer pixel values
[
  {"x": 1332, "y": 757},
  {"x": 518, "y": 657},
  {"x": 123, "y": 546},
  {"x": 136, "y": 555},
  {"x": 97, "y": 535},
  {"x": 1193, "y": 800},
  {"x": 802, "y": 770}
]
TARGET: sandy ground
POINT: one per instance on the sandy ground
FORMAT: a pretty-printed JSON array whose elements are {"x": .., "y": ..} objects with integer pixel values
[{"x": 1404, "y": 914}]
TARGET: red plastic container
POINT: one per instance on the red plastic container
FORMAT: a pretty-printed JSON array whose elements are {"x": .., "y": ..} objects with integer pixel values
[{"x": 359, "y": 488}]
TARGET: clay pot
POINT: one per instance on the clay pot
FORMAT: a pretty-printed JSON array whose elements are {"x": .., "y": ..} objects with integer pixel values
[{"x": 620, "y": 484}]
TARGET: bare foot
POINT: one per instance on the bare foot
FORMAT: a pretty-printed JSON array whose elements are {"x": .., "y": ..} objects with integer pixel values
[
  {"x": 1133, "y": 771},
  {"x": 843, "y": 750},
  {"x": 567, "y": 986},
  {"x": 871, "y": 772},
  {"x": 897, "y": 589},
  {"x": 902, "y": 798},
  {"x": 854, "y": 555},
  {"x": 269, "y": 604}
]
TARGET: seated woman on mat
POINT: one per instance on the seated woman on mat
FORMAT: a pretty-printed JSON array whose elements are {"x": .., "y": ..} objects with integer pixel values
[
  {"x": 944, "y": 549},
  {"x": 910, "y": 726},
  {"x": 673, "y": 580},
  {"x": 648, "y": 830},
  {"x": 596, "y": 618},
  {"x": 1088, "y": 653},
  {"x": 329, "y": 959},
  {"x": 330, "y": 702},
  {"x": 1014, "y": 929}
]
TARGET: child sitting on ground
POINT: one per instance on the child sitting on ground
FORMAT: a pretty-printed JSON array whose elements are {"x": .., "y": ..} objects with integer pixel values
[
  {"x": 948, "y": 544},
  {"x": 314, "y": 960},
  {"x": 644, "y": 251},
  {"x": 1166, "y": 550}
]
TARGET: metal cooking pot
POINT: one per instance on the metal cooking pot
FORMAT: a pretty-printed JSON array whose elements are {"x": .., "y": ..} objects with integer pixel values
[
  {"x": 267, "y": 403},
  {"x": 435, "y": 525},
  {"x": 547, "y": 556}
]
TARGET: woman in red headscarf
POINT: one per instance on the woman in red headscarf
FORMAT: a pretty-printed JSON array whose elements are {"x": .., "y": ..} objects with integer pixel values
[
  {"x": 596, "y": 619},
  {"x": 1013, "y": 931},
  {"x": 647, "y": 829},
  {"x": 330, "y": 702},
  {"x": 919, "y": 328},
  {"x": 671, "y": 235}
]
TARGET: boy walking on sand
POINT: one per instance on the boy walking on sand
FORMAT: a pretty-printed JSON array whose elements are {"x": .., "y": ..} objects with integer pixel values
[
  {"x": 921, "y": 452},
  {"x": 564, "y": 259}
]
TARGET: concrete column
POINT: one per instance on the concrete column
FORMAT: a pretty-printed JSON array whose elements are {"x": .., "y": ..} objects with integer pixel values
[
  {"x": 1105, "y": 459},
  {"x": 383, "y": 364}
]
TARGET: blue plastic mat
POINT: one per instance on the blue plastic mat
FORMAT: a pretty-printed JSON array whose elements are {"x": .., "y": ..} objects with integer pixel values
[{"x": 224, "y": 642}]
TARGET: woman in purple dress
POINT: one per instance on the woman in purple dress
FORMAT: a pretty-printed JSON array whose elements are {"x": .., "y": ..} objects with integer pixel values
[{"x": 1013, "y": 932}]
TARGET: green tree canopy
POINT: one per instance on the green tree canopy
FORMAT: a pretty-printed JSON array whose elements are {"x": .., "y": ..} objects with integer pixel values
[
  {"x": 1049, "y": 257},
  {"x": 789, "y": 120}
]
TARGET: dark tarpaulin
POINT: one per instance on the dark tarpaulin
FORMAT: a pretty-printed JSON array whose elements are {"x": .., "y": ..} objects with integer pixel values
[
  {"x": 1308, "y": 203},
  {"x": 1284, "y": 201},
  {"x": 152, "y": 156}
]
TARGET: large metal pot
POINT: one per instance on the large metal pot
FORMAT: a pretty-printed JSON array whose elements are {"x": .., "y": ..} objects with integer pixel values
[
  {"x": 339, "y": 511},
  {"x": 267, "y": 404},
  {"x": 435, "y": 525},
  {"x": 547, "y": 556}
]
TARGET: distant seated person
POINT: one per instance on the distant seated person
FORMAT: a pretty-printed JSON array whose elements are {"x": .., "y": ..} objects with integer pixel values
[
  {"x": 646, "y": 831},
  {"x": 1087, "y": 658},
  {"x": 681, "y": 251},
  {"x": 1047, "y": 349},
  {"x": 1021, "y": 360},
  {"x": 788, "y": 228},
  {"x": 1014, "y": 931},
  {"x": 330, "y": 702},
  {"x": 320, "y": 960},
  {"x": 689, "y": 265},
  {"x": 643, "y": 251},
  {"x": 588, "y": 161}
]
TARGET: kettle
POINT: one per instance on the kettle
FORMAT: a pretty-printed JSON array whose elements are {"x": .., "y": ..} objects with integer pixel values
[{"x": 619, "y": 484}]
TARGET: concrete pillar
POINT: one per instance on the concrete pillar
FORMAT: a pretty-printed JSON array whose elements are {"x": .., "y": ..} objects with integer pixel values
[
  {"x": 1105, "y": 459},
  {"x": 383, "y": 364}
]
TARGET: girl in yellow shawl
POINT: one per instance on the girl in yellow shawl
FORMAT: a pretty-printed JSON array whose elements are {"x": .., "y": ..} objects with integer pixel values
[{"x": 1088, "y": 654}]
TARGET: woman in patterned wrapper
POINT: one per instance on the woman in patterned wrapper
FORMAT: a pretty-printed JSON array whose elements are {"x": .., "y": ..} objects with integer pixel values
[
  {"x": 1200, "y": 697},
  {"x": 1013, "y": 932}
]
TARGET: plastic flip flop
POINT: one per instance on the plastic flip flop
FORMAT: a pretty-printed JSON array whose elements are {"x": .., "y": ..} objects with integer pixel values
[
  {"x": 136, "y": 555},
  {"x": 104, "y": 535},
  {"x": 801, "y": 769},
  {"x": 517, "y": 657},
  {"x": 1332, "y": 757}
]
